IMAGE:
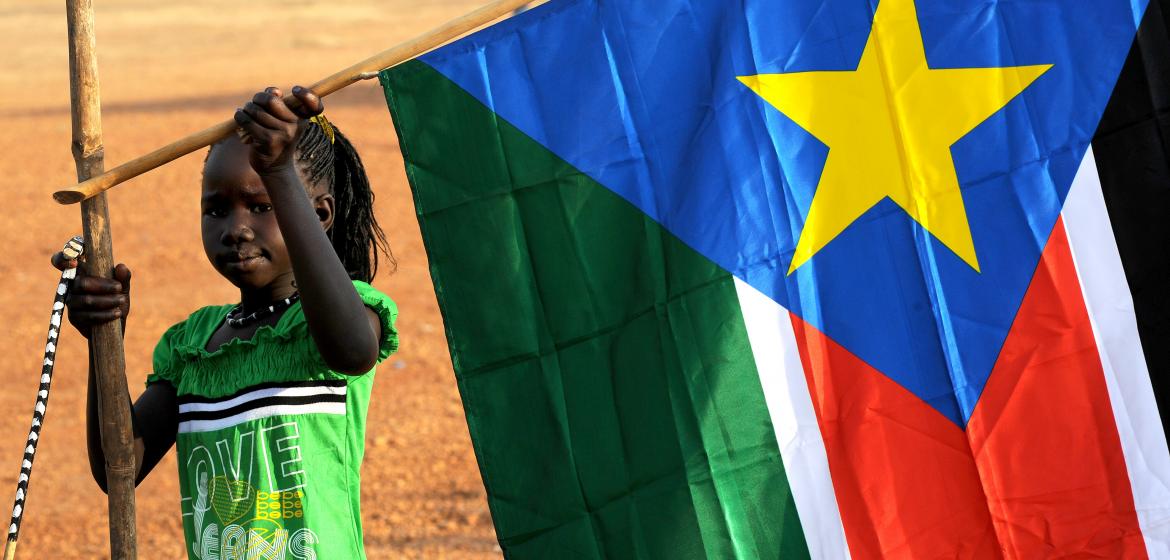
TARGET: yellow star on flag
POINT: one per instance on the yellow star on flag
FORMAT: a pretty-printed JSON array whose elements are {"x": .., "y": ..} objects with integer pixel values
[{"x": 889, "y": 127}]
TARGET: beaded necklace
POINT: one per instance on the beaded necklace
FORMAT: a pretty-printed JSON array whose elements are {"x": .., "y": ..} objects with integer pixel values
[{"x": 235, "y": 320}]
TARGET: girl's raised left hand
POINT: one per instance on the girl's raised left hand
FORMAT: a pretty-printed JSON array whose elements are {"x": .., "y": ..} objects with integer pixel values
[{"x": 271, "y": 127}]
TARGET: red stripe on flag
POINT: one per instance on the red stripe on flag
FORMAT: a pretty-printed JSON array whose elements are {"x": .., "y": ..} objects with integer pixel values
[
  {"x": 1043, "y": 434},
  {"x": 903, "y": 474}
]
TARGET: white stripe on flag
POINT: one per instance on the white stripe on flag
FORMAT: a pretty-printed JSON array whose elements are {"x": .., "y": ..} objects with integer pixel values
[
  {"x": 769, "y": 329},
  {"x": 337, "y": 408},
  {"x": 1111, "y": 312},
  {"x": 262, "y": 393}
]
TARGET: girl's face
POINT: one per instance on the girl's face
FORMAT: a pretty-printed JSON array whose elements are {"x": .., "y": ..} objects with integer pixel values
[{"x": 240, "y": 234}]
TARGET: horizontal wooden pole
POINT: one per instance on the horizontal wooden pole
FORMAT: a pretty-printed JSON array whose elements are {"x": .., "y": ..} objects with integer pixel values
[{"x": 353, "y": 74}]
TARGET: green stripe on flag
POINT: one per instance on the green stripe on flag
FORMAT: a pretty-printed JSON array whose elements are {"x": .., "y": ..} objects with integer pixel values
[{"x": 605, "y": 370}]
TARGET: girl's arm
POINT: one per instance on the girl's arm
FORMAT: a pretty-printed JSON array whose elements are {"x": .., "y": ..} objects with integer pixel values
[
  {"x": 156, "y": 421},
  {"x": 93, "y": 301},
  {"x": 345, "y": 331}
]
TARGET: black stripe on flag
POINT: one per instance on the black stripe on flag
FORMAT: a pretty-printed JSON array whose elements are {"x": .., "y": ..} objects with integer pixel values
[
  {"x": 191, "y": 399},
  {"x": 259, "y": 403},
  {"x": 1132, "y": 150}
]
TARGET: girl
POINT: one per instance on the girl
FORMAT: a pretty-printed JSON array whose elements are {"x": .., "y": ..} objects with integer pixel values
[{"x": 266, "y": 398}]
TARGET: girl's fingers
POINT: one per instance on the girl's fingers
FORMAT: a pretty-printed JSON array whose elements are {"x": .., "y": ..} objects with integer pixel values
[
  {"x": 122, "y": 275},
  {"x": 265, "y": 117},
  {"x": 94, "y": 317},
  {"x": 61, "y": 262},
  {"x": 269, "y": 101},
  {"x": 252, "y": 131},
  {"x": 93, "y": 302},
  {"x": 310, "y": 105},
  {"x": 95, "y": 285},
  {"x": 242, "y": 119},
  {"x": 245, "y": 137}
]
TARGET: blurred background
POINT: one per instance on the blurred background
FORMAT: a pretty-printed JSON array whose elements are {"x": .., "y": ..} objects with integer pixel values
[{"x": 168, "y": 69}]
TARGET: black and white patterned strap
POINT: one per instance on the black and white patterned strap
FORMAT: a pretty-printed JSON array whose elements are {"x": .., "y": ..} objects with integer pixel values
[{"x": 72, "y": 250}]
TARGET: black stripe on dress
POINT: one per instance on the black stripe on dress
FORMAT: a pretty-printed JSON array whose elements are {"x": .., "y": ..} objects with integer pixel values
[
  {"x": 190, "y": 399},
  {"x": 259, "y": 403}
]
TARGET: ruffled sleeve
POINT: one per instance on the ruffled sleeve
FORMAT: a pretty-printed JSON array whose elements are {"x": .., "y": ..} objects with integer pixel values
[
  {"x": 387, "y": 310},
  {"x": 164, "y": 363},
  {"x": 180, "y": 341}
]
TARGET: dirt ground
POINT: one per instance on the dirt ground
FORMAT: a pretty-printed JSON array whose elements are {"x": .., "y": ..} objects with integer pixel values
[{"x": 167, "y": 69}]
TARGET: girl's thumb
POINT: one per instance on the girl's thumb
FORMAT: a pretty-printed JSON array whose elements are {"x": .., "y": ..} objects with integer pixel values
[
  {"x": 62, "y": 262},
  {"x": 122, "y": 274}
]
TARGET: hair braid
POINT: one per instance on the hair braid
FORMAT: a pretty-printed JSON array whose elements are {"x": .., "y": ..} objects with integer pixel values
[{"x": 333, "y": 162}]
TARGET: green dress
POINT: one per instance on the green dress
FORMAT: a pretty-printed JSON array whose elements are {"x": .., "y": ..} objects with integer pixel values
[{"x": 270, "y": 439}]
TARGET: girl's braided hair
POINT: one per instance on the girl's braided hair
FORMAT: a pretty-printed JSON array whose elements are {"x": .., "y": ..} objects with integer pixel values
[{"x": 327, "y": 158}]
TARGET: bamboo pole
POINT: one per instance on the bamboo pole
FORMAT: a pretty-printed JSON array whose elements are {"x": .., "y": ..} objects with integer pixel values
[
  {"x": 105, "y": 343},
  {"x": 351, "y": 75}
]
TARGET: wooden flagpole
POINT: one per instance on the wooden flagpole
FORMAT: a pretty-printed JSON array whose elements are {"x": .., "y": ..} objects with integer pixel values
[
  {"x": 105, "y": 343},
  {"x": 362, "y": 70}
]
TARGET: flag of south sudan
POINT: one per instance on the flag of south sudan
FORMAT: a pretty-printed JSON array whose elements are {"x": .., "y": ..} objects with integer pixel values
[{"x": 806, "y": 278}]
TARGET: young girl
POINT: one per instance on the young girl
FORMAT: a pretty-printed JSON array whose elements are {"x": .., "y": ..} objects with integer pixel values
[{"x": 266, "y": 398}]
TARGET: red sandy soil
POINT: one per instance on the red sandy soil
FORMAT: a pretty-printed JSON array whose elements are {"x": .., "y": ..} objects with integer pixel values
[{"x": 167, "y": 69}]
